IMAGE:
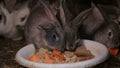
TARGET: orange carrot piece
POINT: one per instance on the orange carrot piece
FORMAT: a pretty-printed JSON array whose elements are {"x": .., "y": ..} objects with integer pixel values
[
  {"x": 47, "y": 56},
  {"x": 114, "y": 51},
  {"x": 48, "y": 59},
  {"x": 34, "y": 58},
  {"x": 58, "y": 55}
]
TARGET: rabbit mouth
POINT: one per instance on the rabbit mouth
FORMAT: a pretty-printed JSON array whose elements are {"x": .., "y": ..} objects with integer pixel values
[
  {"x": 53, "y": 47},
  {"x": 73, "y": 46}
]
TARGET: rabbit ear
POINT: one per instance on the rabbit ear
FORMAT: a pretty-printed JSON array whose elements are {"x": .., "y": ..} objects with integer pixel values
[
  {"x": 97, "y": 13},
  {"x": 32, "y": 3},
  {"x": 50, "y": 14},
  {"x": 78, "y": 19},
  {"x": 48, "y": 11},
  {"x": 62, "y": 14},
  {"x": 9, "y": 4},
  {"x": 65, "y": 14}
]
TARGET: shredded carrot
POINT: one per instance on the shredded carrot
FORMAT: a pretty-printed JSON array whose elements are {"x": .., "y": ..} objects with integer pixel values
[
  {"x": 58, "y": 55},
  {"x": 114, "y": 51},
  {"x": 48, "y": 59},
  {"x": 47, "y": 56},
  {"x": 34, "y": 58}
]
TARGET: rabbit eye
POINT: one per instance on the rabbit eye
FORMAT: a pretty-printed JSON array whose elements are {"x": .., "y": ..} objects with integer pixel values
[
  {"x": 23, "y": 18},
  {"x": 110, "y": 34},
  {"x": 0, "y": 17},
  {"x": 54, "y": 37}
]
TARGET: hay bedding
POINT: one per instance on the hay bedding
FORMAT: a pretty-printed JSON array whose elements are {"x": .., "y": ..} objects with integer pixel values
[{"x": 8, "y": 49}]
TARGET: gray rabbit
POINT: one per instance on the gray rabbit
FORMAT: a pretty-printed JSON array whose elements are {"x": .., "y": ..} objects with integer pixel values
[
  {"x": 43, "y": 29},
  {"x": 47, "y": 27},
  {"x": 13, "y": 15},
  {"x": 94, "y": 24}
]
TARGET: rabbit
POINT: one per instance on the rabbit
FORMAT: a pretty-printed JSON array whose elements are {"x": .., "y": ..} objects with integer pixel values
[
  {"x": 95, "y": 25},
  {"x": 43, "y": 29},
  {"x": 110, "y": 31},
  {"x": 47, "y": 27},
  {"x": 6, "y": 22},
  {"x": 14, "y": 15}
]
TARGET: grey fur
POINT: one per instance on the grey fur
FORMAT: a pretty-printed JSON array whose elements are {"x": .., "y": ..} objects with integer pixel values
[
  {"x": 43, "y": 29},
  {"x": 43, "y": 19},
  {"x": 99, "y": 27}
]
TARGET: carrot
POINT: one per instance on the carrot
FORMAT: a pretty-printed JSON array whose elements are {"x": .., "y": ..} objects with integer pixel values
[
  {"x": 114, "y": 51},
  {"x": 34, "y": 58},
  {"x": 58, "y": 55},
  {"x": 48, "y": 59}
]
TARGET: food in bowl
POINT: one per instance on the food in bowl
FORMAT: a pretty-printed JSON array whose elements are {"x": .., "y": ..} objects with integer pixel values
[
  {"x": 56, "y": 57},
  {"x": 99, "y": 51}
]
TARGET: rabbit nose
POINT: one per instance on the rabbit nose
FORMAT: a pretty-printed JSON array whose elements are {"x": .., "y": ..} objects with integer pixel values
[
  {"x": 19, "y": 28},
  {"x": 70, "y": 47}
]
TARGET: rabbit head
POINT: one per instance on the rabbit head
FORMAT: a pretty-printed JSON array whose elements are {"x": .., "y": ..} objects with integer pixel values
[
  {"x": 6, "y": 26},
  {"x": 108, "y": 33},
  {"x": 15, "y": 14},
  {"x": 43, "y": 29},
  {"x": 20, "y": 16}
]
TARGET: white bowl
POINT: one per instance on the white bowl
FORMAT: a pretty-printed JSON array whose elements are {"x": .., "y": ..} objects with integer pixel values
[{"x": 98, "y": 50}]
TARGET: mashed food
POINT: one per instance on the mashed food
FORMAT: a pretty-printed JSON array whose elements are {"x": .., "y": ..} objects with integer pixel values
[{"x": 55, "y": 56}]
